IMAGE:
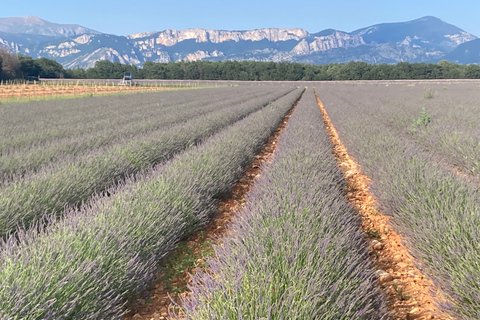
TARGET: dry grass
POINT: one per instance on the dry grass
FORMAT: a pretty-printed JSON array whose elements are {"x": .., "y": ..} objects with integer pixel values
[{"x": 67, "y": 89}]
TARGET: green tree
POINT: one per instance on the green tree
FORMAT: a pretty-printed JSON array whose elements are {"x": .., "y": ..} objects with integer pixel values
[
  {"x": 77, "y": 73},
  {"x": 152, "y": 70},
  {"x": 355, "y": 70},
  {"x": 174, "y": 71},
  {"x": 450, "y": 70},
  {"x": 472, "y": 71},
  {"x": 10, "y": 65},
  {"x": 50, "y": 68},
  {"x": 105, "y": 69},
  {"x": 28, "y": 67},
  {"x": 278, "y": 71},
  {"x": 91, "y": 73}
]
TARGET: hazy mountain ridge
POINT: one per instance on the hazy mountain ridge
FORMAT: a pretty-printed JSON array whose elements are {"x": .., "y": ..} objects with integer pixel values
[
  {"x": 465, "y": 53},
  {"x": 35, "y": 26},
  {"x": 427, "y": 39}
]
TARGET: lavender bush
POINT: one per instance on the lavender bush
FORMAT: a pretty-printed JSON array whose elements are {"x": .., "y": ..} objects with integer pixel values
[
  {"x": 452, "y": 132},
  {"x": 28, "y": 124},
  {"x": 72, "y": 182},
  {"x": 86, "y": 264},
  {"x": 436, "y": 209},
  {"x": 112, "y": 128},
  {"x": 296, "y": 250}
]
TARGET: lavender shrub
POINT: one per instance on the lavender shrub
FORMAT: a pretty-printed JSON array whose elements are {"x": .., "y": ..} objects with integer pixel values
[
  {"x": 86, "y": 264},
  {"x": 437, "y": 210},
  {"x": 296, "y": 251},
  {"x": 23, "y": 125},
  {"x": 446, "y": 125},
  {"x": 25, "y": 201},
  {"x": 111, "y": 129}
]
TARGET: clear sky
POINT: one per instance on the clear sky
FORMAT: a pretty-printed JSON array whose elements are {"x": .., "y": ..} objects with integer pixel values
[{"x": 123, "y": 17}]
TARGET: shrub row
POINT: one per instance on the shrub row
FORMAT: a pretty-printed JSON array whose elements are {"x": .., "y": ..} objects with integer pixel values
[
  {"x": 114, "y": 128},
  {"x": 73, "y": 182},
  {"x": 435, "y": 209},
  {"x": 441, "y": 118},
  {"x": 85, "y": 265},
  {"x": 35, "y": 122},
  {"x": 296, "y": 251}
]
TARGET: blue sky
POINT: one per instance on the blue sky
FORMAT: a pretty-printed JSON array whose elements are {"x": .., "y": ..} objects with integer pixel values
[{"x": 123, "y": 17}]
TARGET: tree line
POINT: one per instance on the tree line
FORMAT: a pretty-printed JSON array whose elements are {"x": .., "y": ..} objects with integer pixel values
[
  {"x": 278, "y": 71},
  {"x": 25, "y": 67},
  {"x": 14, "y": 67}
]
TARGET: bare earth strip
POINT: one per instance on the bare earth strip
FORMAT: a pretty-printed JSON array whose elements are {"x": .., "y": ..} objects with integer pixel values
[
  {"x": 159, "y": 304},
  {"x": 411, "y": 295}
]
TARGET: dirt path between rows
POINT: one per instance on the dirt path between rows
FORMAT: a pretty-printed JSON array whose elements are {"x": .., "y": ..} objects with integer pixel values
[
  {"x": 411, "y": 295},
  {"x": 157, "y": 304}
]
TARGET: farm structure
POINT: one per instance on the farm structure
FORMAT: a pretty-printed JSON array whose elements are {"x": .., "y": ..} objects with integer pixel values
[{"x": 49, "y": 88}]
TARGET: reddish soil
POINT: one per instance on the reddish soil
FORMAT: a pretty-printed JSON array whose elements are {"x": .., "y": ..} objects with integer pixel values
[
  {"x": 160, "y": 303},
  {"x": 411, "y": 295}
]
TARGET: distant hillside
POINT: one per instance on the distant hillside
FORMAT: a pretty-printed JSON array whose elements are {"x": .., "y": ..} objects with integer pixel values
[
  {"x": 427, "y": 39},
  {"x": 466, "y": 53},
  {"x": 33, "y": 25}
]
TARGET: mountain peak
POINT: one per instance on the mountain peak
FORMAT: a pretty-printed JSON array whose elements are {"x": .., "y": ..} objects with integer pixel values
[
  {"x": 428, "y": 18},
  {"x": 428, "y": 32},
  {"x": 34, "y": 25},
  {"x": 34, "y": 20},
  {"x": 425, "y": 39},
  {"x": 170, "y": 37}
]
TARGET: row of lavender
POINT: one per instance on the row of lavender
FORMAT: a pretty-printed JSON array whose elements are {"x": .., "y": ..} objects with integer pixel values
[
  {"x": 441, "y": 118},
  {"x": 31, "y": 140},
  {"x": 434, "y": 207},
  {"x": 88, "y": 263},
  {"x": 38, "y": 122},
  {"x": 75, "y": 180},
  {"x": 296, "y": 251}
]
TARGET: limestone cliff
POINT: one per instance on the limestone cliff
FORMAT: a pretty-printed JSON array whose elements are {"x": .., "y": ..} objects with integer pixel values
[{"x": 427, "y": 39}]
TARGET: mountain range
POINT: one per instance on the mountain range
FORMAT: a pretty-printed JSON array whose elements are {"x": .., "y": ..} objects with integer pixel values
[{"x": 427, "y": 39}]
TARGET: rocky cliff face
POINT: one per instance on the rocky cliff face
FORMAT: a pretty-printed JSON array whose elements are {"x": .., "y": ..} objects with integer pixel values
[
  {"x": 323, "y": 43},
  {"x": 198, "y": 44},
  {"x": 172, "y": 37},
  {"x": 83, "y": 51},
  {"x": 422, "y": 40}
]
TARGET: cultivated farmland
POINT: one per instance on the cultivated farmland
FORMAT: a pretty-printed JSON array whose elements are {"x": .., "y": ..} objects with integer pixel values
[
  {"x": 419, "y": 143},
  {"x": 296, "y": 252},
  {"x": 96, "y": 192},
  {"x": 80, "y": 171},
  {"x": 86, "y": 264}
]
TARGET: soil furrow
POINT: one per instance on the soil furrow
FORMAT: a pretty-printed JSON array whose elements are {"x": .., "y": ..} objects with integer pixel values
[
  {"x": 163, "y": 297},
  {"x": 411, "y": 295}
]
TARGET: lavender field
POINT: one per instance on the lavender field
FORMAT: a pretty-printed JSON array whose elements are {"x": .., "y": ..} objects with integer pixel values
[
  {"x": 70, "y": 176},
  {"x": 95, "y": 192},
  {"x": 419, "y": 143},
  {"x": 296, "y": 252},
  {"x": 83, "y": 262}
]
